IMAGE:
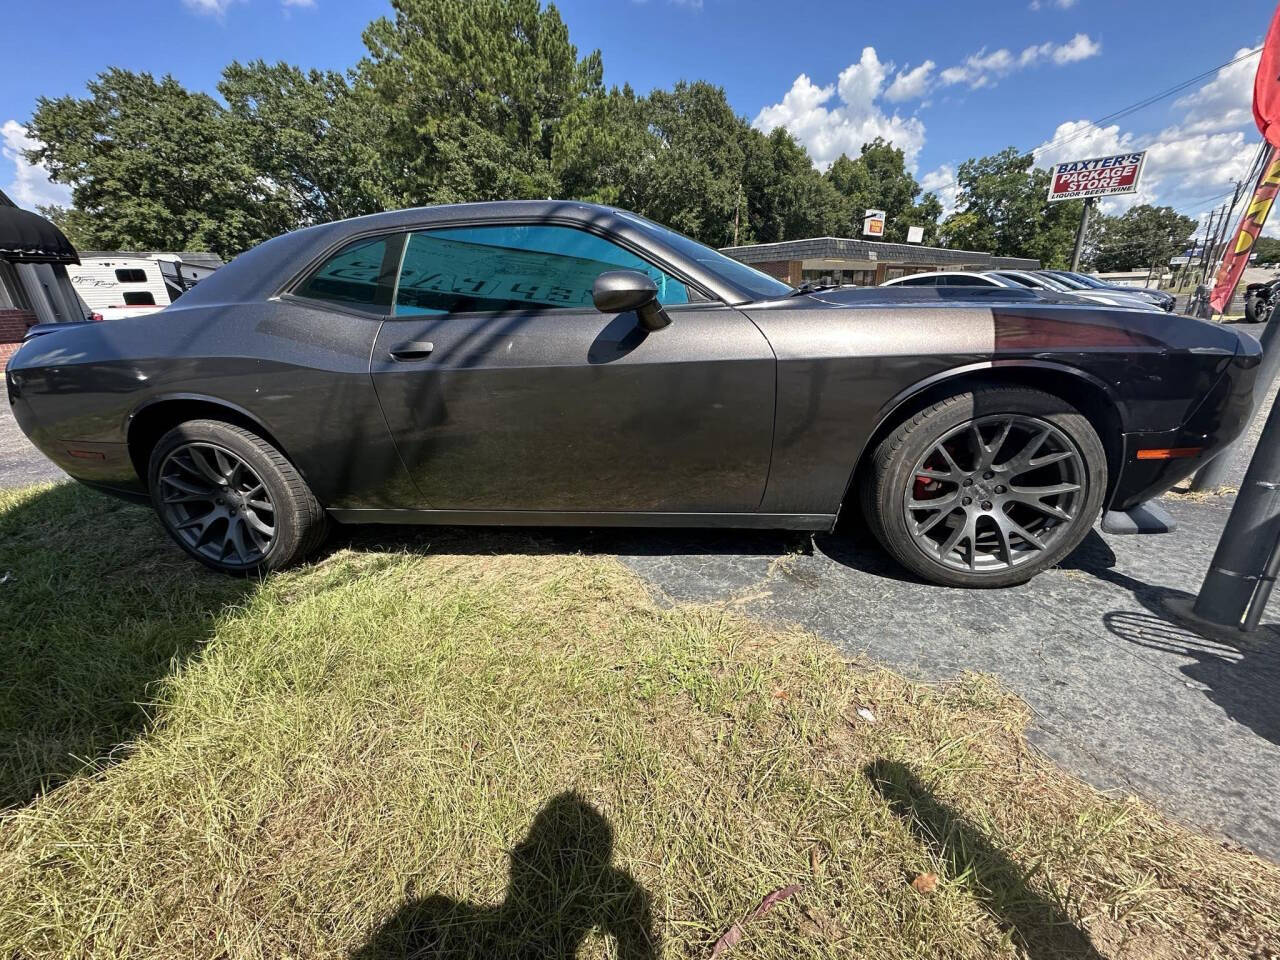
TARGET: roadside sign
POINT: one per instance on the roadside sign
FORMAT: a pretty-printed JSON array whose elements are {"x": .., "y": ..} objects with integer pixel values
[
  {"x": 1096, "y": 177},
  {"x": 915, "y": 234},
  {"x": 1178, "y": 261},
  {"x": 873, "y": 225}
]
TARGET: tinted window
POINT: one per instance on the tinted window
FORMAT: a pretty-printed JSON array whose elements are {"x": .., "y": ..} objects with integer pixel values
[
  {"x": 131, "y": 276},
  {"x": 139, "y": 298},
  {"x": 918, "y": 282},
  {"x": 462, "y": 269},
  {"x": 361, "y": 275},
  {"x": 759, "y": 285}
]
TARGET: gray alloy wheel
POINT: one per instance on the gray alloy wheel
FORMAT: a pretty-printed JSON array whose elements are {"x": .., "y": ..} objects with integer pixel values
[
  {"x": 994, "y": 492},
  {"x": 231, "y": 499},
  {"x": 986, "y": 488},
  {"x": 216, "y": 504}
]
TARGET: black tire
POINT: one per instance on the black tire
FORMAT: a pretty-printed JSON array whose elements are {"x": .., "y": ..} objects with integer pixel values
[
  {"x": 264, "y": 492},
  {"x": 1251, "y": 309},
  {"x": 900, "y": 475}
]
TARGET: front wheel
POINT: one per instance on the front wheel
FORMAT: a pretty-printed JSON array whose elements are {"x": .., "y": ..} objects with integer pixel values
[
  {"x": 988, "y": 488},
  {"x": 231, "y": 499}
]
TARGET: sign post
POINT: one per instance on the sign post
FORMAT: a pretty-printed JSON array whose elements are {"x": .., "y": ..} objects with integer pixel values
[
  {"x": 873, "y": 225},
  {"x": 1080, "y": 232}
]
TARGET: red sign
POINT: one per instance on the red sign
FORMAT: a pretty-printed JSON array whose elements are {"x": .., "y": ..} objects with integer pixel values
[
  {"x": 1236, "y": 257},
  {"x": 1097, "y": 177}
]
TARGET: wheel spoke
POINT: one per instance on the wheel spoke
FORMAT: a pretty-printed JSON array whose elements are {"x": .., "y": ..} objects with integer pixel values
[
  {"x": 256, "y": 523},
  {"x": 211, "y": 474},
  {"x": 201, "y": 491},
  {"x": 1028, "y": 494},
  {"x": 1021, "y": 460}
]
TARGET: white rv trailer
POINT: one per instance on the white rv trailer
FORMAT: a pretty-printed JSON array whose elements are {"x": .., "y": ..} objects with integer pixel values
[{"x": 131, "y": 284}]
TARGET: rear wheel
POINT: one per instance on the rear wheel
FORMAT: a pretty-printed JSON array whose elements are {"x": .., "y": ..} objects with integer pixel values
[
  {"x": 232, "y": 500},
  {"x": 986, "y": 489}
]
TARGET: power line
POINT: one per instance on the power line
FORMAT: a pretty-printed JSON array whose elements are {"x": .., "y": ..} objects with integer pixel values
[{"x": 1148, "y": 101}]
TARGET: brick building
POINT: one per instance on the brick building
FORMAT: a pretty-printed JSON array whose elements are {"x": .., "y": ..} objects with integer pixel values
[
  {"x": 864, "y": 263},
  {"x": 34, "y": 286}
]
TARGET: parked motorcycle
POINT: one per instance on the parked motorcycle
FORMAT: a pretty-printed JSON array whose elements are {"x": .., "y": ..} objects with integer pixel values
[{"x": 1260, "y": 299}]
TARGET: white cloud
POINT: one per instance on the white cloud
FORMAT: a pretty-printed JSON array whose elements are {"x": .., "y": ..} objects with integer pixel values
[
  {"x": 1079, "y": 47},
  {"x": 213, "y": 7},
  {"x": 30, "y": 185},
  {"x": 911, "y": 84},
  {"x": 1060, "y": 4},
  {"x": 942, "y": 181},
  {"x": 828, "y": 131},
  {"x": 982, "y": 69},
  {"x": 1225, "y": 102}
]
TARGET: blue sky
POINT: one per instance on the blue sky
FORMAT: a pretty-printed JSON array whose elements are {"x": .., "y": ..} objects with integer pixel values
[{"x": 944, "y": 80}]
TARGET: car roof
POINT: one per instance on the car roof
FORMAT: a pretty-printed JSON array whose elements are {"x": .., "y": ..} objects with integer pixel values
[{"x": 262, "y": 272}]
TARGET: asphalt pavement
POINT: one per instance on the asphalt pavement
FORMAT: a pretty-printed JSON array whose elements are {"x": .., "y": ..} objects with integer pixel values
[{"x": 1124, "y": 695}]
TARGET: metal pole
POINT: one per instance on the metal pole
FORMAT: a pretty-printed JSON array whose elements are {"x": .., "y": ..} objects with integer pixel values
[
  {"x": 1240, "y": 576},
  {"x": 1084, "y": 225},
  {"x": 1214, "y": 473},
  {"x": 1208, "y": 240}
]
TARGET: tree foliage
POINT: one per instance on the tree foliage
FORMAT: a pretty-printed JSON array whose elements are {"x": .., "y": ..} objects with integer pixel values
[
  {"x": 151, "y": 166},
  {"x": 1142, "y": 237},
  {"x": 1002, "y": 208},
  {"x": 878, "y": 179}
]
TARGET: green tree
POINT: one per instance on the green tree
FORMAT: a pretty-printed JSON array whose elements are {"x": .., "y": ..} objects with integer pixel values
[
  {"x": 783, "y": 196},
  {"x": 1002, "y": 208},
  {"x": 1142, "y": 237},
  {"x": 473, "y": 92},
  {"x": 310, "y": 133},
  {"x": 150, "y": 166},
  {"x": 878, "y": 179},
  {"x": 603, "y": 150}
]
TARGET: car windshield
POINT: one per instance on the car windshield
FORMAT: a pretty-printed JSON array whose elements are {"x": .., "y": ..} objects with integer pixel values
[
  {"x": 1053, "y": 283},
  {"x": 758, "y": 285}
]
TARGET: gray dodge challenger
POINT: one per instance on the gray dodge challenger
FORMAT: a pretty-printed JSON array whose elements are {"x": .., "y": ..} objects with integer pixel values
[{"x": 550, "y": 362}]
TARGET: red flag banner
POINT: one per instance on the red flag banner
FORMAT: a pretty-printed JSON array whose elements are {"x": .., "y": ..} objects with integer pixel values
[
  {"x": 1236, "y": 257},
  {"x": 1266, "y": 85}
]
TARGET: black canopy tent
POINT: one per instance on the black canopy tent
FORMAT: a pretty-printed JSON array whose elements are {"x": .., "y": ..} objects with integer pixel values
[{"x": 27, "y": 237}]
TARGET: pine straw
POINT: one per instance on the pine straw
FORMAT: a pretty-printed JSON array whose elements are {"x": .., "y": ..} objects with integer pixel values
[{"x": 485, "y": 751}]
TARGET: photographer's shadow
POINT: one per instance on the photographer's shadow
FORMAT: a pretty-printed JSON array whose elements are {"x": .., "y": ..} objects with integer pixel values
[{"x": 562, "y": 887}]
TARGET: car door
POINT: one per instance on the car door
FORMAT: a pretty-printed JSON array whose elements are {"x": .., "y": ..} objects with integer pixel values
[{"x": 505, "y": 389}]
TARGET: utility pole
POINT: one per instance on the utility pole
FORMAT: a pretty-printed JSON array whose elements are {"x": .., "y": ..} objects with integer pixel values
[{"x": 1084, "y": 226}]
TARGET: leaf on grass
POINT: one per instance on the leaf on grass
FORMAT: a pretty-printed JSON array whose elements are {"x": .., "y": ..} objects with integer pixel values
[
  {"x": 735, "y": 933},
  {"x": 925, "y": 882},
  {"x": 866, "y": 715},
  {"x": 781, "y": 694}
]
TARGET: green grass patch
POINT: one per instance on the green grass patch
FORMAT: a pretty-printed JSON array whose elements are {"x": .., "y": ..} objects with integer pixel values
[{"x": 467, "y": 746}]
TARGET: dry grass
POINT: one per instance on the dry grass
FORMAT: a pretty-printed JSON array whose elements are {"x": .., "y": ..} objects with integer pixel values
[{"x": 505, "y": 752}]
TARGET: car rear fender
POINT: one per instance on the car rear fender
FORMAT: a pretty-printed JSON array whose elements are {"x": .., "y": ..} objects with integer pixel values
[{"x": 159, "y": 414}]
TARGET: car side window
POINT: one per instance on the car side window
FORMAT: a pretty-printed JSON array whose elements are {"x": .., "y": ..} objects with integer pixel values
[
  {"x": 524, "y": 267},
  {"x": 918, "y": 282},
  {"x": 362, "y": 275}
]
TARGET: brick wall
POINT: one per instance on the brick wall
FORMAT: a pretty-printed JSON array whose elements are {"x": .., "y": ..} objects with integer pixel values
[
  {"x": 13, "y": 327},
  {"x": 788, "y": 271},
  {"x": 14, "y": 323}
]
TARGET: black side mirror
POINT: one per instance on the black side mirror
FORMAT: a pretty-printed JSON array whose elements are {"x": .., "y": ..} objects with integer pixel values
[{"x": 619, "y": 291}]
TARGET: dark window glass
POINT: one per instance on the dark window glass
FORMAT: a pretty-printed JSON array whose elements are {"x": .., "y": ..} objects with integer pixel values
[
  {"x": 132, "y": 275},
  {"x": 139, "y": 298},
  {"x": 537, "y": 267},
  {"x": 918, "y": 282},
  {"x": 360, "y": 275}
]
